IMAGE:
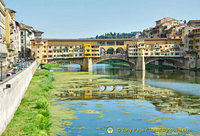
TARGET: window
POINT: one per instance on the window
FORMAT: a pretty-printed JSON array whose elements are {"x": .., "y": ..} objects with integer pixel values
[
  {"x": 22, "y": 41},
  {"x": 197, "y": 24},
  {"x": 101, "y": 43},
  {"x": 190, "y": 42},
  {"x": 119, "y": 43},
  {"x": 110, "y": 43}
]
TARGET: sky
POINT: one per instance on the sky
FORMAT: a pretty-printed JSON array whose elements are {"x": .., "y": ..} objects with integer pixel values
[{"x": 88, "y": 18}]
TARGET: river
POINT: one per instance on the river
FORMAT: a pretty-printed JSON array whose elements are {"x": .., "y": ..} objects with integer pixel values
[{"x": 127, "y": 102}]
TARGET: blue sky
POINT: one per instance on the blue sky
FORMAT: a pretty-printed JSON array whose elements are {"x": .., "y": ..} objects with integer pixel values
[{"x": 88, "y": 18}]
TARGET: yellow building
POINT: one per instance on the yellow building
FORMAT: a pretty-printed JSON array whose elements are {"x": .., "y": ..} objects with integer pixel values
[
  {"x": 87, "y": 50},
  {"x": 194, "y": 43},
  {"x": 10, "y": 35},
  {"x": 3, "y": 48}
]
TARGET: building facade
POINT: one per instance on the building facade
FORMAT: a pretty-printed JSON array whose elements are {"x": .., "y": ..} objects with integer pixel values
[
  {"x": 47, "y": 50},
  {"x": 3, "y": 48}
]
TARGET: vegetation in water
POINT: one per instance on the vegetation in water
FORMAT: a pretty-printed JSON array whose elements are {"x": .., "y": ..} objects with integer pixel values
[
  {"x": 195, "y": 69},
  {"x": 52, "y": 66},
  {"x": 32, "y": 117},
  {"x": 153, "y": 66},
  {"x": 115, "y": 62}
]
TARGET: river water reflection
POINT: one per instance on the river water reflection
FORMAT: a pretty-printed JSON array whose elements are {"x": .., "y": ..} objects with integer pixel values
[{"x": 144, "y": 102}]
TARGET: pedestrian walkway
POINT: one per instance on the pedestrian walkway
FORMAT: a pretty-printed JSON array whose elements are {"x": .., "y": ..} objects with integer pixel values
[{"x": 11, "y": 71}]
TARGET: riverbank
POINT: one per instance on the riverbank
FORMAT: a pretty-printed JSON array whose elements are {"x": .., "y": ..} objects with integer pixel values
[{"x": 32, "y": 116}]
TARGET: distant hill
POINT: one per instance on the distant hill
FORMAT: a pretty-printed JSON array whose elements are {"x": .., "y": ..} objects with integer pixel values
[{"x": 114, "y": 35}]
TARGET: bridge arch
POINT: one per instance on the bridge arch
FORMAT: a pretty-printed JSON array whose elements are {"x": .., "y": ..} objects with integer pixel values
[
  {"x": 132, "y": 64},
  {"x": 177, "y": 62}
]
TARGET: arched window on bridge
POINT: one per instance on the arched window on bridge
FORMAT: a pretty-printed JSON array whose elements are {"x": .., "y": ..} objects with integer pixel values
[
  {"x": 120, "y": 51},
  {"x": 102, "y": 51},
  {"x": 110, "y": 51}
]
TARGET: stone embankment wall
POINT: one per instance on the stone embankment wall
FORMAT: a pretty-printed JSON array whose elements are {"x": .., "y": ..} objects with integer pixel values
[{"x": 11, "y": 93}]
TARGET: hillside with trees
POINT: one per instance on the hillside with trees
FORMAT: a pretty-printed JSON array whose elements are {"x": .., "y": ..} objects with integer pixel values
[{"x": 114, "y": 35}]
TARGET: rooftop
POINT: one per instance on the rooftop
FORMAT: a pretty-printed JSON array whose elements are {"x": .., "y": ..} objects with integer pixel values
[
  {"x": 96, "y": 40},
  {"x": 37, "y": 31}
]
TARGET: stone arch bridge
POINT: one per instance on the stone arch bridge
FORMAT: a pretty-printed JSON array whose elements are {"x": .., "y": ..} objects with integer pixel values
[{"x": 136, "y": 63}]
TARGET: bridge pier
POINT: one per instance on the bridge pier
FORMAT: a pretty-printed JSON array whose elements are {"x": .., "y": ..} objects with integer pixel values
[
  {"x": 87, "y": 65},
  {"x": 140, "y": 64}
]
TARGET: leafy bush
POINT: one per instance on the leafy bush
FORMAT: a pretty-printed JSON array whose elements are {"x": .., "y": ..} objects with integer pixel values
[{"x": 42, "y": 103}]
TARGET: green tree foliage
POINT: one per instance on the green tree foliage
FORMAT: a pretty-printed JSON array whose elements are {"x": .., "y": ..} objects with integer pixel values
[{"x": 115, "y": 35}]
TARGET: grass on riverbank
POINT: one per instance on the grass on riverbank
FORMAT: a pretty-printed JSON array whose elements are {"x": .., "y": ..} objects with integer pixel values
[{"x": 32, "y": 117}]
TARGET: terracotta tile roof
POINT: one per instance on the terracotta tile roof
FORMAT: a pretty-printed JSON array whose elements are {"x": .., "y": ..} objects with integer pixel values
[
  {"x": 96, "y": 40},
  {"x": 196, "y": 28},
  {"x": 194, "y": 21},
  {"x": 37, "y": 31}
]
